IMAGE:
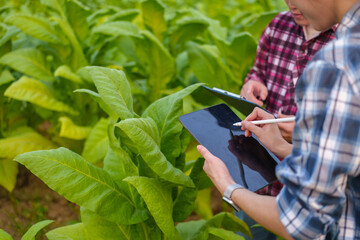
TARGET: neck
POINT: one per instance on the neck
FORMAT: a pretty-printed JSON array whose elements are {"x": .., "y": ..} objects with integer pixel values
[
  {"x": 309, "y": 32},
  {"x": 342, "y": 7}
]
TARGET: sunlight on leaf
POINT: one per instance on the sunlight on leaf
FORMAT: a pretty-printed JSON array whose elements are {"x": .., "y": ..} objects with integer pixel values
[
  {"x": 69, "y": 130},
  {"x": 31, "y": 90}
]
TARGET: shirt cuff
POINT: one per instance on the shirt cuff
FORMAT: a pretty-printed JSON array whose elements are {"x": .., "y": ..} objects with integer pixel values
[{"x": 255, "y": 77}]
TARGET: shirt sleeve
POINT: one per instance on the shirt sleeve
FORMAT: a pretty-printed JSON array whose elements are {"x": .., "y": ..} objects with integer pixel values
[
  {"x": 325, "y": 153},
  {"x": 258, "y": 71}
]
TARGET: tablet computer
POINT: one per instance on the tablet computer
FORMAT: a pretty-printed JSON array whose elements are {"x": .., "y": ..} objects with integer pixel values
[
  {"x": 248, "y": 161},
  {"x": 240, "y": 103}
]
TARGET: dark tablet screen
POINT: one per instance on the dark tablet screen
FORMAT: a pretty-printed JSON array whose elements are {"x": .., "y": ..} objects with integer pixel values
[{"x": 249, "y": 163}]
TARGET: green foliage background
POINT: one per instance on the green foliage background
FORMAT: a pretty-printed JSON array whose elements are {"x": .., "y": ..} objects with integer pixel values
[{"x": 117, "y": 123}]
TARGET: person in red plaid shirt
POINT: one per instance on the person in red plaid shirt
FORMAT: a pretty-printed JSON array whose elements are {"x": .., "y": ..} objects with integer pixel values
[{"x": 287, "y": 44}]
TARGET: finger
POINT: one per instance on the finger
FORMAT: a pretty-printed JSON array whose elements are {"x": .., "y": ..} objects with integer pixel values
[
  {"x": 258, "y": 102},
  {"x": 248, "y": 133},
  {"x": 258, "y": 114},
  {"x": 280, "y": 115},
  {"x": 254, "y": 91},
  {"x": 249, "y": 95},
  {"x": 263, "y": 94},
  {"x": 204, "y": 152},
  {"x": 252, "y": 128}
]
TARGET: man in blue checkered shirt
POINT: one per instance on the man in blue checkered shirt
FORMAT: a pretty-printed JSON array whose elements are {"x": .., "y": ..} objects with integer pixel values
[{"x": 321, "y": 173}]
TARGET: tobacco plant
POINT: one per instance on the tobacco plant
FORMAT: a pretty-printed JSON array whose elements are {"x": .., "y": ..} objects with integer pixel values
[
  {"x": 50, "y": 98},
  {"x": 142, "y": 190},
  {"x": 162, "y": 46}
]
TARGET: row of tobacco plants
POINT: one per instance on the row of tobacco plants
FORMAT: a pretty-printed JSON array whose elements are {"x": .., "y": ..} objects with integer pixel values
[{"x": 90, "y": 95}]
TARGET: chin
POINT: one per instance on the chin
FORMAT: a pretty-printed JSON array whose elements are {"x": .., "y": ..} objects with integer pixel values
[
  {"x": 302, "y": 22},
  {"x": 321, "y": 28}
]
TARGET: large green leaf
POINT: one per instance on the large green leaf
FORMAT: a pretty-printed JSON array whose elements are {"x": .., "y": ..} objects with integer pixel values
[
  {"x": 192, "y": 230},
  {"x": 4, "y": 235},
  {"x": 203, "y": 204},
  {"x": 216, "y": 226},
  {"x": 6, "y": 77},
  {"x": 82, "y": 183},
  {"x": 70, "y": 130},
  {"x": 101, "y": 229},
  {"x": 29, "y": 61},
  {"x": 166, "y": 112},
  {"x": 159, "y": 202},
  {"x": 96, "y": 145},
  {"x": 144, "y": 132},
  {"x": 35, "y": 26},
  {"x": 57, "y": 5},
  {"x": 97, "y": 98},
  {"x": 113, "y": 88},
  {"x": 208, "y": 67},
  {"x": 124, "y": 15},
  {"x": 31, "y": 233},
  {"x": 119, "y": 28},
  {"x": 215, "y": 27},
  {"x": 66, "y": 72},
  {"x": 186, "y": 30},
  {"x": 119, "y": 164},
  {"x": 78, "y": 58},
  {"x": 10, "y": 32},
  {"x": 184, "y": 203},
  {"x": 160, "y": 64},
  {"x": 77, "y": 14},
  {"x": 8, "y": 172},
  {"x": 153, "y": 14},
  {"x": 257, "y": 26},
  {"x": 229, "y": 222},
  {"x": 31, "y": 90},
  {"x": 71, "y": 232},
  {"x": 205, "y": 66},
  {"x": 224, "y": 234},
  {"x": 101, "y": 15},
  {"x": 241, "y": 45},
  {"x": 23, "y": 142}
]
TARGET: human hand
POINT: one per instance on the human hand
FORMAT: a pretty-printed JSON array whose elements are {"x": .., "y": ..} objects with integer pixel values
[
  {"x": 286, "y": 128},
  {"x": 268, "y": 134},
  {"x": 216, "y": 169},
  {"x": 254, "y": 91}
]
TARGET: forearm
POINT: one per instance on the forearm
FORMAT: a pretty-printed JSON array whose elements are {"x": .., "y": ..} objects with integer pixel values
[{"x": 261, "y": 209}]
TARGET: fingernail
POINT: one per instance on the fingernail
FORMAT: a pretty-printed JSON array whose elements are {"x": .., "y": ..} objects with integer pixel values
[{"x": 280, "y": 110}]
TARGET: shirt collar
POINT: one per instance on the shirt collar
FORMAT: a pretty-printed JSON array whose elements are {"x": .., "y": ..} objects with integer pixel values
[{"x": 351, "y": 18}]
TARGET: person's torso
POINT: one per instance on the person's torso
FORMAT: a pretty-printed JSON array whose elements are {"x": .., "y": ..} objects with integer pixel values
[{"x": 288, "y": 55}]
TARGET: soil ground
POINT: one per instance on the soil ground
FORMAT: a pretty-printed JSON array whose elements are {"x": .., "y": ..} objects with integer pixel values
[{"x": 31, "y": 202}]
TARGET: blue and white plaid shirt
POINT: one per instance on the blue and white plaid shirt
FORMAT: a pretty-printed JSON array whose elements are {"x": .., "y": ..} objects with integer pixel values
[{"x": 321, "y": 197}]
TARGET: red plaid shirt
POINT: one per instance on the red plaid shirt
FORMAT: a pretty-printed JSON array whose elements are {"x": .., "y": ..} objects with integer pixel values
[{"x": 281, "y": 57}]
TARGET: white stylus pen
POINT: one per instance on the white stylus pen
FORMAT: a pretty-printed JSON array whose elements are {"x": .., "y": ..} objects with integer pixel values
[{"x": 277, "y": 120}]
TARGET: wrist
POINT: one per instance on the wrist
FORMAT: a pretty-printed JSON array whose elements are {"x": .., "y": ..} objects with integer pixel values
[
  {"x": 283, "y": 149},
  {"x": 224, "y": 184},
  {"x": 227, "y": 196}
]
